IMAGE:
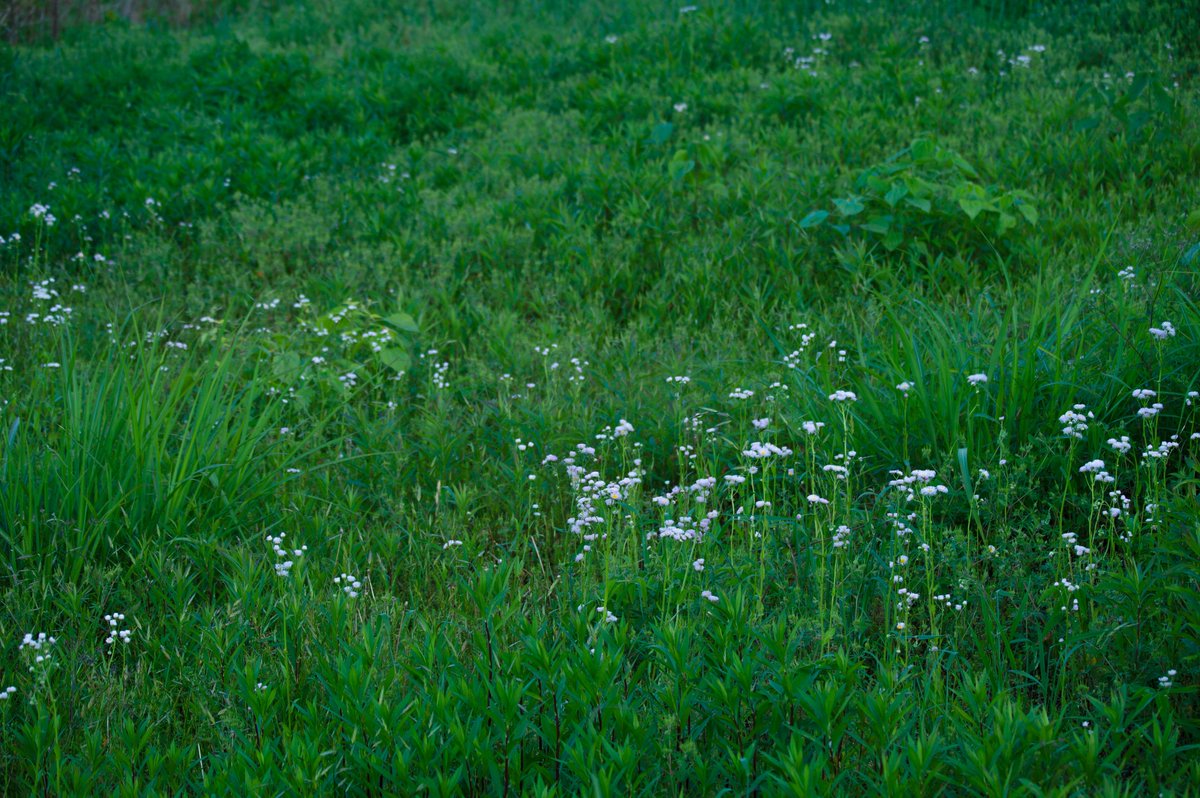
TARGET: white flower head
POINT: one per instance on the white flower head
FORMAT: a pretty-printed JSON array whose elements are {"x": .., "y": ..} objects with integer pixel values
[{"x": 1164, "y": 331}]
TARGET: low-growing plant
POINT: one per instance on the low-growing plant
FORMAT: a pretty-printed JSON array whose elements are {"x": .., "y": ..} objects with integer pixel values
[{"x": 928, "y": 200}]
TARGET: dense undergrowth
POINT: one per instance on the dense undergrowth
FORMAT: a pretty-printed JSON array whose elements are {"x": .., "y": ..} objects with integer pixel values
[{"x": 752, "y": 398}]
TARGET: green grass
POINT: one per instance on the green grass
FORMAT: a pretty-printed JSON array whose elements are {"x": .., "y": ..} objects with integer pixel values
[{"x": 399, "y": 293}]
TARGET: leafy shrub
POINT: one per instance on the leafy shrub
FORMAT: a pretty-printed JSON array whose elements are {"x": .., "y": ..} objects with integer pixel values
[
  {"x": 1142, "y": 110},
  {"x": 357, "y": 343},
  {"x": 927, "y": 199}
]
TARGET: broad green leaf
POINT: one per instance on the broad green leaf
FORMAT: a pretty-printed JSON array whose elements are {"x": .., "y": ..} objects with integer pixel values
[
  {"x": 661, "y": 133},
  {"x": 285, "y": 366},
  {"x": 876, "y": 184},
  {"x": 1191, "y": 256},
  {"x": 850, "y": 206},
  {"x": 919, "y": 202},
  {"x": 1140, "y": 82},
  {"x": 401, "y": 321},
  {"x": 1028, "y": 211},
  {"x": 814, "y": 219},
  {"x": 681, "y": 166},
  {"x": 923, "y": 150},
  {"x": 962, "y": 165},
  {"x": 897, "y": 192},
  {"x": 879, "y": 224},
  {"x": 1137, "y": 120},
  {"x": 973, "y": 206},
  {"x": 918, "y": 187},
  {"x": 394, "y": 358}
]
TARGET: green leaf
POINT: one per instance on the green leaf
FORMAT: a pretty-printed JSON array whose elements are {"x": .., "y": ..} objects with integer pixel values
[
  {"x": 890, "y": 169},
  {"x": 681, "y": 166},
  {"x": 1029, "y": 212},
  {"x": 879, "y": 224},
  {"x": 921, "y": 203},
  {"x": 1137, "y": 120},
  {"x": 285, "y": 366},
  {"x": 1139, "y": 85},
  {"x": 1192, "y": 255},
  {"x": 850, "y": 206},
  {"x": 875, "y": 183},
  {"x": 814, "y": 219},
  {"x": 897, "y": 192},
  {"x": 394, "y": 358},
  {"x": 402, "y": 322},
  {"x": 918, "y": 187},
  {"x": 964, "y": 471},
  {"x": 923, "y": 150},
  {"x": 962, "y": 165},
  {"x": 973, "y": 206},
  {"x": 661, "y": 133}
]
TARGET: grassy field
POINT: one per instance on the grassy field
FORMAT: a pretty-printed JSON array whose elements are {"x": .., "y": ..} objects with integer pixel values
[{"x": 519, "y": 398}]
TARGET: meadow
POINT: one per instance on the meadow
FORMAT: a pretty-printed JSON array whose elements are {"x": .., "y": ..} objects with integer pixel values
[{"x": 628, "y": 398}]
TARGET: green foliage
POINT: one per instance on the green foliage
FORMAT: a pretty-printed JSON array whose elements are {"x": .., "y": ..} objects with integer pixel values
[
  {"x": 114, "y": 456},
  {"x": 388, "y": 394},
  {"x": 1143, "y": 111},
  {"x": 353, "y": 339},
  {"x": 929, "y": 201}
]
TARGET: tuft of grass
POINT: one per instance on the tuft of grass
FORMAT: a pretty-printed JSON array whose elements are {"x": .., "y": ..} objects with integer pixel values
[{"x": 117, "y": 456}]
